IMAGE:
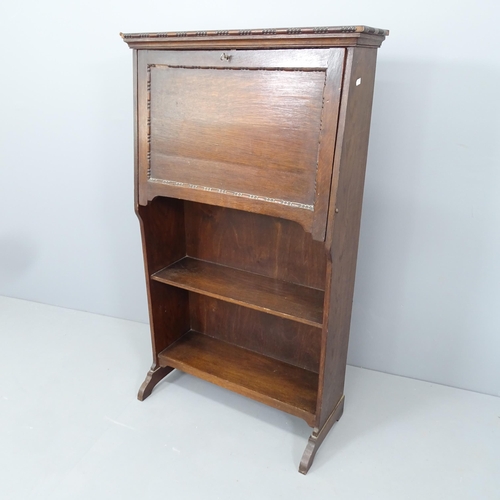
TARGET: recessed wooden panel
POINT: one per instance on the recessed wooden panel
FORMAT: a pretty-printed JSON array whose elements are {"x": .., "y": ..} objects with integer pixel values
[
  {"x": 270, "y": 246},
  {"x": 252, "y": 132}
]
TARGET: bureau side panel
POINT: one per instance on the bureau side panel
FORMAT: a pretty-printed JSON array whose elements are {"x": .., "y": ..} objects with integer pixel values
[{"x": 344, "y": 222}]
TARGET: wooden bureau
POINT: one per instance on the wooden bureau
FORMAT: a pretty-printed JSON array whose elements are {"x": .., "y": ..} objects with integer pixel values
[{"x": 250, "y": 154}]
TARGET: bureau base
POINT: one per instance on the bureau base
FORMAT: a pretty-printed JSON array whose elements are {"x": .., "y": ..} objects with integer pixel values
[{"x": 156, "y": 374}]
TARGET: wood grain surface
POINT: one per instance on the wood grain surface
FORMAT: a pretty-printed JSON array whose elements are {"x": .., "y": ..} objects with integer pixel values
[
  {"x": 272, "y": 296},
  {"x": 241, "y": 129},
  {"x": 250, "y": 154},
  {"x": 294, "y": 343},
  {"x": 343, "y": 224},
  {"x": 271, "y": 246},
  {"x": 340, "y": 36},
  {"x": 267, "y": 380},
  {"x": 163, "y": 242},
  {"x": 226, "y": 128}
]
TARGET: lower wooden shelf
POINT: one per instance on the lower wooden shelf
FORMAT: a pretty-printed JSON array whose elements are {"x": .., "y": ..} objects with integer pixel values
[{"x": 275, "y": 383}]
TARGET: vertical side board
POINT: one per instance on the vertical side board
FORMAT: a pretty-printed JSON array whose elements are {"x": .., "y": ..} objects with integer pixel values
[
  {"x": 163, "y": 242},
  {"x": 343, "y": 224}
]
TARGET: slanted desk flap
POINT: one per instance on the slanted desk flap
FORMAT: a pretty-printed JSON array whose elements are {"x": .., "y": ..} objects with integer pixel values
[{"x": 247, "y": 129}]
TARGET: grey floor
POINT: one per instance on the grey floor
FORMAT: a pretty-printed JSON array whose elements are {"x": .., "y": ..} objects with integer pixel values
[{"x": 71, "y": 427}]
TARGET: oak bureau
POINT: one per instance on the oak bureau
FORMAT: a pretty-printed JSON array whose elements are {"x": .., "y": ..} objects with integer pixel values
[{"x": 250, "y": 154}]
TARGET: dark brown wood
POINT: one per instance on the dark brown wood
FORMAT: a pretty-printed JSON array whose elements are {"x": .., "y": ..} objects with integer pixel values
[
  {"x": 289, "y": 341},
  {"x": 291, "y": 32},
  {"x": 210, "y": 127},
  {"x": 162, "y": 228},
  {"x": 249, "y": 180},
  {"x": 326, "y": 149},
  {"x": 260, "y": 38},
  {"x": 269, "y": 295},
  {"x": 264, "y": 379},
  {"x": 317, "y": 437},
  {"x": 255, "y": 125},
  {"x": 269, "y": 246},
  {"x": 344, "y": 221},
  {"x": 155, "y": 375}
]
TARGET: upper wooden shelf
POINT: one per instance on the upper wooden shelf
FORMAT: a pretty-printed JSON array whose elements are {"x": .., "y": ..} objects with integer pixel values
[
  {"x": 281, "y": 298},
  {"x": 271, "y": 37}
]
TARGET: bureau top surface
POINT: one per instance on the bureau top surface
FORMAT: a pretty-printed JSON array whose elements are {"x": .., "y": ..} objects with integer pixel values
[{"x": 331, "y": 36}]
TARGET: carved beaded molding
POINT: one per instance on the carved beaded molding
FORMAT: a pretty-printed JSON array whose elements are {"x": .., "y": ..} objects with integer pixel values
[
  {"x": 148, "y": 105},
  {"x": 327, "y": 30},
  {"x": 249, "y": 196}
]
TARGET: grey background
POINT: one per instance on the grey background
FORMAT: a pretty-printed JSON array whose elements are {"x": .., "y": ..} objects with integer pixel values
[{"x": 427, "y": 292}]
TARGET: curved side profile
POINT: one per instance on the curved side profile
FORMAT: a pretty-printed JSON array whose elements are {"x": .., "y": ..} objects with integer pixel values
[
  {"x": 155, "y": 375},
  {"x": 317, "y": 437}
]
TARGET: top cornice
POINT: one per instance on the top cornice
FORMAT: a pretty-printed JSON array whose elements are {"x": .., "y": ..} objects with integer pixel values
[{"x": 269, "y": 38}]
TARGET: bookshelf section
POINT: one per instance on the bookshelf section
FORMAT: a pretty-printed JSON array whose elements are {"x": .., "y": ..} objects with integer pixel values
[
  {"x": 281, "y": 298},
  {"x": 264, "y": 379}
]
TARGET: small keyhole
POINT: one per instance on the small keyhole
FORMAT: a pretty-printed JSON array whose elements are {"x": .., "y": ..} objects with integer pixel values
[{"x": 358, "y": 82}]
